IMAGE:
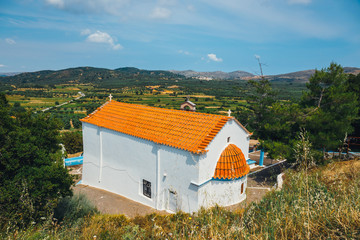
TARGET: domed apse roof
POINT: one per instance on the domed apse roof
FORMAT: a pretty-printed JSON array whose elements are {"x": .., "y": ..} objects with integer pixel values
[{"x": 231, "y": 164}]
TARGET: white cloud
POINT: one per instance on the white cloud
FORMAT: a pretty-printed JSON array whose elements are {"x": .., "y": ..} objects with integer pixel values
[
  {"x": 103, "y": 37},
  {"x": 160, "y": 13},
  {"x": 2, "y": 65},
  {"x": 213, "y": 57},
  {"x": 85, "y": 32},
  {"x": 10, "y": 41},
  {"x": 56, "y": 3},
  {"x": 299, "y": 1},
  {"x": 184, "y": 52}
]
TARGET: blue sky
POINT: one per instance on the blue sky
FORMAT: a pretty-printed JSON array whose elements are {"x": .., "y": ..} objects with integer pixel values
[{"x": 202, "y": 35}]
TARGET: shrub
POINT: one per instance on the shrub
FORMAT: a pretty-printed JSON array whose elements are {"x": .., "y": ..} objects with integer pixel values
[
  {"x": 72, "y": 141},
  {"x": 71, "y": 209}
]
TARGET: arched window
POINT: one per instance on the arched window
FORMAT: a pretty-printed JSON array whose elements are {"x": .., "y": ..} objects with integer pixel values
[{"x": 228, "y": 139}]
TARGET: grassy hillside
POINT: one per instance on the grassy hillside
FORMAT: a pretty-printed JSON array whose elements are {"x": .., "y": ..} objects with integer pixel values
[
  {"x": 97, "y": 76},
  {"x": 323, "y": 203}
]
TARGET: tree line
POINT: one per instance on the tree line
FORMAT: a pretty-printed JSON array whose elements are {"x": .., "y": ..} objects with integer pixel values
[{"x": 328, "y": 112}]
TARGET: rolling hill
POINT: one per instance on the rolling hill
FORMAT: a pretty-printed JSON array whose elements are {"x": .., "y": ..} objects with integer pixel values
[
  {"x": 214, "y": 75},
  {"x": 129, "y": 75},
  {"x": 97, "y": 76},
  {"x": 299, "y": 76}
]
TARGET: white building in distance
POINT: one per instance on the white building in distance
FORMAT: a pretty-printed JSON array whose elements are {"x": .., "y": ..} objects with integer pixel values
[{"x": 166, "y": 159}]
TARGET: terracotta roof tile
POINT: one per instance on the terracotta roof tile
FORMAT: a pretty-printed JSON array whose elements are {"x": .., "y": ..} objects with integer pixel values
[
  {"x": 231, "y": 164},
  {"x": 190, "y": 131}
]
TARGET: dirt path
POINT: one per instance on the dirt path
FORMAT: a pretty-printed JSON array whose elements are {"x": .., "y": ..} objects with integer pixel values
[{"x": 111, "y": 203}]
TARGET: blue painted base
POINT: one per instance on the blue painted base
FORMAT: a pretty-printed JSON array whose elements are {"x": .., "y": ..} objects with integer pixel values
[{"x": 250, "y": 162}]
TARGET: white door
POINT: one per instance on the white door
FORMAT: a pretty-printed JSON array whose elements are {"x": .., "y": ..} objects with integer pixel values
[{"x": 172, "y": 200}]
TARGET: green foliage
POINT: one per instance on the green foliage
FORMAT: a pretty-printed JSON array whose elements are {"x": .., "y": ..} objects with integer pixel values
[
  {"x": 73, "y": 209},
  {"x": 280, "y": 128},
  {"x": 72, "y": 141},
  {"x": 354, "y": 86},
  {"x": 32, "y": 176},
  {"x": 303, "y": 151},
  {"x": 17, "y": 108},
  {"x": 331, "y": 107},
  {"x": 328, "y": 111},
  {"x": 262, "y": 97},
  {"x": 279, "y": 149}
]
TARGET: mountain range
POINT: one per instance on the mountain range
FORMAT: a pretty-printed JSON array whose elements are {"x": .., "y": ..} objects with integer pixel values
[
  {"x": 214, "y": 75},
  {"x": 97, "y": 75},
  {"x": 300, "y": 76}
]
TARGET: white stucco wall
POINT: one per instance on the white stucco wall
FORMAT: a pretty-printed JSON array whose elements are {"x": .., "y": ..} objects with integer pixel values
[
  {"x": 180, "y": 167},
  {"x": 208, "y": 161},
  {"x": 127, "y": 160},
  {"x": 222, "y": 192},
  {"x": 91, "y": 142}
]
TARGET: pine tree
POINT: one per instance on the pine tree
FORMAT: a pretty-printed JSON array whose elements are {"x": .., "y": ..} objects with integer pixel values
[{"x": 331, "y": 108}]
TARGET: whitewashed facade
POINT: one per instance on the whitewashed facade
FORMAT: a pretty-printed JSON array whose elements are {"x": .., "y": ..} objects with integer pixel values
[{"x": 179, "y": 179}]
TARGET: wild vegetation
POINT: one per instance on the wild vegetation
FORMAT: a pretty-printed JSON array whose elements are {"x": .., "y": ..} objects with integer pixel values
[
  {"x": 32, "y": 174},
  {"x": 328, "y": 110},
  {"x": 321, "y": 203}
]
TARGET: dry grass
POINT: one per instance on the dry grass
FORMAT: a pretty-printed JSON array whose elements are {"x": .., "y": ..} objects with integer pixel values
[{"x": 321, "y": 204}]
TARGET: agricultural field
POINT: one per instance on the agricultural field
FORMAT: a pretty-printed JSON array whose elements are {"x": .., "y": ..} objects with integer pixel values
[
  {"x": 205, "y": 94},
  {"x": 53, "y": 92}
]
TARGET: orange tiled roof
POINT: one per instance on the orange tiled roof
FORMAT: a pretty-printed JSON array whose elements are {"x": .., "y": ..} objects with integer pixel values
[
  {"x": 190, "y": 131},
  {"x": 231, "y": 164}
]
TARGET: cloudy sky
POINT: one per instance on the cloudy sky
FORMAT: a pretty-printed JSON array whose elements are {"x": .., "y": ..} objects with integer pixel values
[{"x": 202, "y": 35}]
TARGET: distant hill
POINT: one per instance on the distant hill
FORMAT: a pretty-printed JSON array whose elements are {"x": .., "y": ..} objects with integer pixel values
[
  {"x": 300, "y": 76},
  {"x": 7, "y": 74},
  {"x": 126, "y": 76},
  {"x": 214, "y": 75},
  {"x": 89, "y": 75},
  {"x": 304, "y": 76}
]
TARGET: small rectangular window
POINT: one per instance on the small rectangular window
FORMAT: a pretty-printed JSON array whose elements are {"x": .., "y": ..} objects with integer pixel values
[
  {"x": 147, "y": 188},
  {"x": 242, "y": 188}
]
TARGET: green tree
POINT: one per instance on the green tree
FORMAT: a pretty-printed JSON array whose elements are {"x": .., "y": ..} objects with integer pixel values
[
  {"x": 262, "y": 96},
  {"x": 17, "y": 108},
  {"x": 354, "y": 86},
  {"x": 330, "y": 107},
  {"x": 328, "y": 111},
  {"x": 72, "y": 141},
  {"x": 32, "y": 175},
  {"x": 283, "y": 121}
]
